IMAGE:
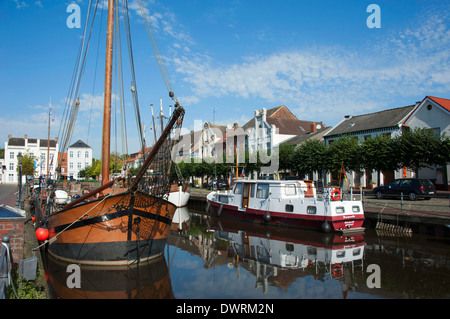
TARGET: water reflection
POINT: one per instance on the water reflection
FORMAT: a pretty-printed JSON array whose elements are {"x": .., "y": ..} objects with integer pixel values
[
  {"x": 222, "y": 258},
  {"x": 150, "y": 280},
  {"x": 208, "y": 258},
  {"x": 275, "y": 254}
]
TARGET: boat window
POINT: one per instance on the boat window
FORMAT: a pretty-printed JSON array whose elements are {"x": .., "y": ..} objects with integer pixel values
[
  {"x": 290, "y": 189},
  {"x": 355, "y": 209},
  {"x": 311, "y": 250},
  {"x": 340, "y": 254},
  {"x": 289, "y": 247},
  {"x": 262, "y": 191},
  {"x": 238, "y": 188},
  {"x": 252, "y": 190},
  {"x": 223, "y": 199},
  {"x": 340, "y": 210},
  {"x": 311, "y": 210},
  {"x": 289, "y": 208},
  {"x": 357, "y": 252}
]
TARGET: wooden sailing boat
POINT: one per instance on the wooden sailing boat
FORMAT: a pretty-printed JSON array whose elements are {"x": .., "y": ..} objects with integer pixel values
[{"x": 109, "y": 228}]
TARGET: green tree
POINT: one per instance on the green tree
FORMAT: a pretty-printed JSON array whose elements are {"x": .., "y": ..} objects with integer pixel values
[
  {"x": 416, "y": 148},
  {"x": 310, "y": 156},
  {"x": 92, "y": 171},
  {"x": 115, "y": 163},
  {"x": 286, "y": 156},
  {"x": 27, "y": 162},
  {"x": 378, "y": 153},
  {"x": 344, "y": 151}
]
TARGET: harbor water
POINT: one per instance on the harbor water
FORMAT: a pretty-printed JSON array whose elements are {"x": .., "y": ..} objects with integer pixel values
[{"x": 219, "y": 258}]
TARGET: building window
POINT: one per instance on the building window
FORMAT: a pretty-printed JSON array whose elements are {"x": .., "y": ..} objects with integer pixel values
[
  {"x": 71, "y": 165},
  {"x": 79, "y": 154},
  {"x": 11, "y": 155},
  {"x": 11, "y": 166},
  {"x": 79, "y": 165},
  {"x": 86, "y": 154},
  {"x": 11, "y": 177},
  {"x": 86, "y": 164},
  {"x": 71, "y": 154}
]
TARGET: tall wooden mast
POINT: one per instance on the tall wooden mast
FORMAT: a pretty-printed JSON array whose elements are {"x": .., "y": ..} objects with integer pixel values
[{"x": 106, "y": 141}]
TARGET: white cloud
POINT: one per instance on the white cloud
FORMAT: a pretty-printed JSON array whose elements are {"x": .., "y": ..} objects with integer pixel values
[
  {"x": 316, "y": 80},
  {"x": 20, "y": 4}
]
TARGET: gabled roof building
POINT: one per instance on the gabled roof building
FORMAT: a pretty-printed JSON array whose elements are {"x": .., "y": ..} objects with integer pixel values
[
  {"x": 431, "y": 113},
  {"x": 79, "y": 156},
  {"x": 34, "y": 147}
]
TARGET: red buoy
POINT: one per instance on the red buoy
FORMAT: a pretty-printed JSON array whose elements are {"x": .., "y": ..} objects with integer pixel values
[{"x": 42, "y": 234}]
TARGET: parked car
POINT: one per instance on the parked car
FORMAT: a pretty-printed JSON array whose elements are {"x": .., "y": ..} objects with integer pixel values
[
  {"x": 412, "y": 188},
  {"x": 219, "y": 184}
]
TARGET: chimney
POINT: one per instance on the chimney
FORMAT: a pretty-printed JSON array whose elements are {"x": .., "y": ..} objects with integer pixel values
[
  {"x": 26, "y": 136},
  {"x": 9, "y": 136},
  {"x": 264, "y": 115},
  {"x": 56, "y": 139},
  {"x": 312, "y": 127},
  {"x": 347, "y": 116},
  {"x": 235, "y": 125}
]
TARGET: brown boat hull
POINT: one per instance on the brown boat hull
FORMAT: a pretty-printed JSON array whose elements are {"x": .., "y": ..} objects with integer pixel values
[{"x": 118, "y": 229}]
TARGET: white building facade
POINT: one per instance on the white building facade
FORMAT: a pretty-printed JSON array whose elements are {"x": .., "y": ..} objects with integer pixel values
[
  {"x": 432, "y": 113},
  {"x": 36, "y": 148},
  {"x": 79, "y": 156}
]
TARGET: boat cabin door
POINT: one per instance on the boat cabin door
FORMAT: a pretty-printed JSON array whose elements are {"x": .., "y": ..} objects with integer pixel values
[{"x": 245, "y": 195}]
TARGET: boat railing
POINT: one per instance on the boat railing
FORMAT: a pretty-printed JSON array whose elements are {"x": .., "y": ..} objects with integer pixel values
[
  {"x": 319, "y": 193},
  {"x": 331, "y": 193}
]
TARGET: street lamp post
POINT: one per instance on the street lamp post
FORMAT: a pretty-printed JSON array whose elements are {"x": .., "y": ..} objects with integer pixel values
[{"x": 19, "y": 159}]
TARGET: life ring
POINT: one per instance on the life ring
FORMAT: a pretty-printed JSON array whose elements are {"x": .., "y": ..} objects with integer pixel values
[
  {"x": 336, "y": 194},
  {"x": 336, "y": 270}
]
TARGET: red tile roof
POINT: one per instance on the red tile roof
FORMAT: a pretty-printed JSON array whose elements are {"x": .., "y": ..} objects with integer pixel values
[{"x": 445, "y": 103}]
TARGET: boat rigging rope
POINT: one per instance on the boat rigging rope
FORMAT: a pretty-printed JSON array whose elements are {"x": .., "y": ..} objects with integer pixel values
[
  {"x": 156, "y": 49},
  {"x": 95, "y": 76},
  {"x": 133, "y": 75},
  {"x": 67, "y": 125}
]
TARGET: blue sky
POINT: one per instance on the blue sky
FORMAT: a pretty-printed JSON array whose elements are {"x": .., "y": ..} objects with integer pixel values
[{"x": 318, "y": 58}]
